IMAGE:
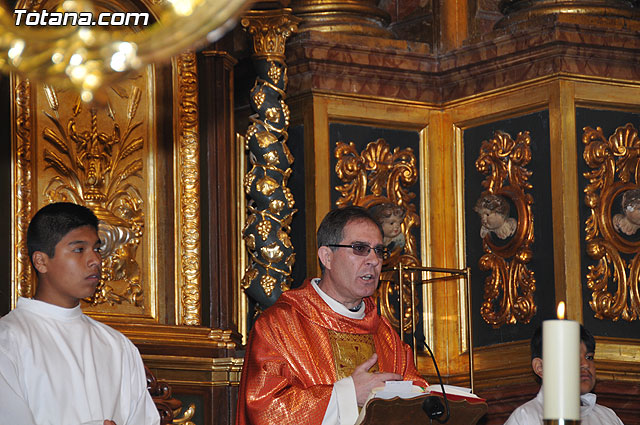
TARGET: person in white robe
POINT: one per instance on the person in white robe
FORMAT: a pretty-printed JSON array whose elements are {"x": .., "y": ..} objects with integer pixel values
[
  {"x": 57, "y": 365},
  {"x": 591, "y": 413}
]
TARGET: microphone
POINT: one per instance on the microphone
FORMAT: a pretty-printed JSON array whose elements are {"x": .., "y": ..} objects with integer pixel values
[{"x": 432, "y": 405}]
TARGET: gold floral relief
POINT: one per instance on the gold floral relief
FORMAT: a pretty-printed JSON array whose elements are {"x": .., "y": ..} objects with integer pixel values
[
  {"x": 67, "y": 150},
  {"x": 509, "y": 289},
  {"x": 95, "y": 159},
  {"x": 378, "y": 179},
  {"x": 613, "y": 199}
]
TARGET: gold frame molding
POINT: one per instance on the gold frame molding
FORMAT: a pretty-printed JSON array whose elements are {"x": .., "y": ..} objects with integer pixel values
[{"x": 187, "y": 193}]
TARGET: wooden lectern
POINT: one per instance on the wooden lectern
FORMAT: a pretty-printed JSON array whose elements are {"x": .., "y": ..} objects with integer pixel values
[{"x": 408, "y": 411}]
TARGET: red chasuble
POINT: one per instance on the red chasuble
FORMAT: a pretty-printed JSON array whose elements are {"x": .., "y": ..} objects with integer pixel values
[{"x": 299, "y": 347}]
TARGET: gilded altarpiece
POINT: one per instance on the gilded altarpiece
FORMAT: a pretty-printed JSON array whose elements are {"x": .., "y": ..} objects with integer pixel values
[
  {"x": 116, "y": 157},
  {"x": 70, "y": 151}
]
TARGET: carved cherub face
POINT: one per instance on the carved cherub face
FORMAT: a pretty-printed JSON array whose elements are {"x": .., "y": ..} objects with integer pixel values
[
  {"x": 391, "y": 225},
  {"x": 493, "y": 211},
  {"x": 632, "y": 212},
  {"x": 390, "y": 217},
  {"x": 491, "y": 219}
]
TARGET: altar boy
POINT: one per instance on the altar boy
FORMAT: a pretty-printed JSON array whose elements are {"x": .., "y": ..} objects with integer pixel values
[
  {"x": 57, "y": 365},
  {"x": 591, "y": 413}
]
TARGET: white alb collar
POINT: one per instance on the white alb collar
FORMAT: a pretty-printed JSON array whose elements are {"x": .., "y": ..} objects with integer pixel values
[{"x": 335, "y": 305}]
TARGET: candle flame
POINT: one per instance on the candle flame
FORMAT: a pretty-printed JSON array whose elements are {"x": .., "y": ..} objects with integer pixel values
[{"x": 561, "y": 310}]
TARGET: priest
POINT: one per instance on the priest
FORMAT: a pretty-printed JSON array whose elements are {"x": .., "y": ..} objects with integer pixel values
[{"x": 316, "y": 354}]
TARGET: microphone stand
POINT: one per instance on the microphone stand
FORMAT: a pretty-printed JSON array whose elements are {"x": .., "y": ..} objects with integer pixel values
[
  {"x": 432, "y": 405},
  {"x": 451, "y": 274}
]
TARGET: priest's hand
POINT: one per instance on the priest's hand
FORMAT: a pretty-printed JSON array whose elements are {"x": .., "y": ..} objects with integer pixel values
[{"x": 365, "y": 381}]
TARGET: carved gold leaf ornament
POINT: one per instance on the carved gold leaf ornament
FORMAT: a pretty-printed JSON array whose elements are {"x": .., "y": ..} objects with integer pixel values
[
  {"x": 273, "y": 115},
  {"x": 272, "y": 253},
  {"x": 250, "y": 241},
  {"x": 509, "y": 289},
  {"x": 284, "y": 238},
  {"x": 250, "y": 274},
  {"x": 87, "y": 57},
  {"x": 276, "y": 206},
  {"x": 271, "y": 158},
  {"x": 615, "y": 170},
  {"x": 266, "y": 139},
  {"x": 374, "y": 177},
  {"x": 267, "y": 185}
]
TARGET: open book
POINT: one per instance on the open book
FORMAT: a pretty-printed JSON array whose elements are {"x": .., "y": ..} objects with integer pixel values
[
  {"x": 454, "y": 392},
  {"x": 407, "y": 391}
]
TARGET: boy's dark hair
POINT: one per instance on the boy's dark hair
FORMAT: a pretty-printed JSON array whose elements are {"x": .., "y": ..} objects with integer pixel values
[
  {"x": 52, "y": 222},
  {"x": 330, "y": 231},
  {"x": 585, "y": 336}
]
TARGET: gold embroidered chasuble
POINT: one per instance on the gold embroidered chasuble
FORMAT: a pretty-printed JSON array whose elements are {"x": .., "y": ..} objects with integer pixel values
[{"x": 299, "y": 347}]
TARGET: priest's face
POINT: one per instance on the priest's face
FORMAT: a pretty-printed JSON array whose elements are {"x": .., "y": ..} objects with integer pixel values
[
  {"x": 349, "y": 277},
  {"x": 587, "y": 370},
  {"x": 73, "y": 272}
]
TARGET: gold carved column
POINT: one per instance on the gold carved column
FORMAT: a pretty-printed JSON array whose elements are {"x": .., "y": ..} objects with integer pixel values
[{"x": 270, "y": 205}]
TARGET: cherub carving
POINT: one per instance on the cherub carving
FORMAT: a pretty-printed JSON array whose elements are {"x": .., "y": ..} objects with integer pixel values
[
  {"x": 494, "y": 216},
  {"x": 629, "y": 221},
  {"x": 390, "y": 217}
]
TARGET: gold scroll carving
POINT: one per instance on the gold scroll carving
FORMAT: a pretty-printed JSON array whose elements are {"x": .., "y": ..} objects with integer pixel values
[
  {"x": 188, "y": 173},
  {"x": 508, "y": 291},
  {"x": 378, "y": 179},
  {"x": 611, "y": 238}
]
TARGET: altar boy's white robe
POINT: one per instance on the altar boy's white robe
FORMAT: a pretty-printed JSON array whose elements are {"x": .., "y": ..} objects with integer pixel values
[{"x": 60, "y": 367}]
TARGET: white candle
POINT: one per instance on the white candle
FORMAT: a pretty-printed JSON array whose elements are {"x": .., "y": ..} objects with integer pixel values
[{"x": 561, "y": 368}]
